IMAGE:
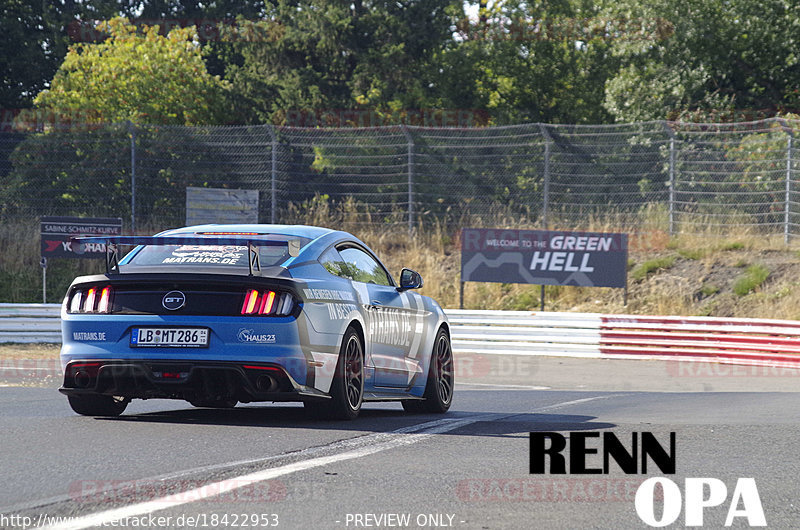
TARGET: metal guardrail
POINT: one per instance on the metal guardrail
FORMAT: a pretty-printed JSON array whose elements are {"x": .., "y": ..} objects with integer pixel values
[
  {"x": 727, "y": 340},
  {"x": 30, "y": 323},
  {"x": 734, "y": 340},
  {"x": 525, "y": 333},
  {"x": 724, "y": 340}
]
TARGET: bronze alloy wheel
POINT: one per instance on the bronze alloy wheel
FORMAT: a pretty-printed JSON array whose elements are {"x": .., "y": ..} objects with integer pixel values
[
  {"x": 354, "y": 372},
  {"x": 439, "y": 386},
  {"x": 444, "y": 368}
]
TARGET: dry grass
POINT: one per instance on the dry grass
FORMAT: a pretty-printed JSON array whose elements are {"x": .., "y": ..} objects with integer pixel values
[
  {"x": 29, "y": 351},
  {"x": 704, "y": 265},
  {"x": 21, "y": 273}
]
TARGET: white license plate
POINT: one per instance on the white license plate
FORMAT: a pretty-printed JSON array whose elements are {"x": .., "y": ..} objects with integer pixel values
[{"x": 170, "y": 337}]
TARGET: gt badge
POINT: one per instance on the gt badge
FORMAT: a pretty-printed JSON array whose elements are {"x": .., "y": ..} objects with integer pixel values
[{"x": 173, "y": 300}]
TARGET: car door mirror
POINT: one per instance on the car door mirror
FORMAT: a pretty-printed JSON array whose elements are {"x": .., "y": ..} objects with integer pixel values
[{"x": 410, "y": 280}]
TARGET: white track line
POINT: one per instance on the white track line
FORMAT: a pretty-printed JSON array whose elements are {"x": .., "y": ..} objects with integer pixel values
[
  {"x": 397, "y": 438},
  {"x": 348, "y": 443},
  {"x": 576, "y": 402},
  {"x": 498, "y": 386},
  {"x": 401, "y": 437}
]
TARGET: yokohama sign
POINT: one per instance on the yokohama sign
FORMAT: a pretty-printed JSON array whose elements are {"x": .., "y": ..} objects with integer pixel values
[{"x": 57, "y": 231}]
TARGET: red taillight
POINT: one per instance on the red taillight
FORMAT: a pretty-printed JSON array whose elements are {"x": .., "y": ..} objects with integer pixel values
[
  {"x": 84, "y": 365},
  {"x": 90, "y": 368},
  {"x": 267, "y": 299},
  {"x": 88, "y": 305},
  {"x": 105, "y": 300},
  {"x": 267, "y": 303},
  {"x": 250, "y": 300},
  {"x": 92, "y": 300}
]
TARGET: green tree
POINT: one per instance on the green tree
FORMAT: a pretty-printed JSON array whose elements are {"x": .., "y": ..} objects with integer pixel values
[
  {"x": 532, "y": 61},
  {"x": 139, "y": 76},
  {"x": 208, "y": 15},
  {"x": 34, "y": 37},
  {"x": 316, "y": 55},
  {"x": 714, "y": 59}
]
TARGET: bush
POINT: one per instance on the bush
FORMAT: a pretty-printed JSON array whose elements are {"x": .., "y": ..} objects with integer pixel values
[
  {"x": 754, "y": 276},
  {"x": 652, "y": 265}
]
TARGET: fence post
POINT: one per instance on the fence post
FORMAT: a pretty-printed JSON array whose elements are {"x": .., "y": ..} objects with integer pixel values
[
  {"x": 787, "y": 205},
  {"x": 546, "y": 190},
  {"x": 671, "y": 187},
  {"x": 132, "y": 130},
  {"x": 671, "y": 134},
  {"x": 410, "y": 140},
  {"x": 786, "y": 230},
  {"x": 273, "y": 204}
]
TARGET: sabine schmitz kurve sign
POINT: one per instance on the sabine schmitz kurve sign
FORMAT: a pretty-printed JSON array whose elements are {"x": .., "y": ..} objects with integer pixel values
[
  {"x": 57, "y": 232},
  {"x": 544, "y": 257}
]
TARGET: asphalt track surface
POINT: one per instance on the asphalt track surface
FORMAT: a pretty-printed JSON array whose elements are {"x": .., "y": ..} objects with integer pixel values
[{"x": 164, "y": 464}]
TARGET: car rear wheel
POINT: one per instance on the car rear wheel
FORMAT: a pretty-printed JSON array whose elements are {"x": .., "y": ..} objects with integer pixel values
[
  {"x": 98, "y": 405},
  {"x": 347, "y": 388},
  {"x": 439, "y": 387}
]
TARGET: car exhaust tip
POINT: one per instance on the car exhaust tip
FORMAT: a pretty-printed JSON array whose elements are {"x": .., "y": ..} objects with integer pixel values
[
  {"x": 266, "y": 383},
  {"x": 82, "y": 379}
]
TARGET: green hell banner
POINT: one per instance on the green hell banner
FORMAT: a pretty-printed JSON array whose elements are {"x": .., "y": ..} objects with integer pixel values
[{"x": 544, "y": 257}]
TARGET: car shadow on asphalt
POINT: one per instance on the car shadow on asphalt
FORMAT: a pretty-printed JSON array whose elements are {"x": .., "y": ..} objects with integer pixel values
[{"x": 370, "y": 420}]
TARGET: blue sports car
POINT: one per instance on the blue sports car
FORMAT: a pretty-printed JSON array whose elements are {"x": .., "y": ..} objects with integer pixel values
[{"x": 221, "y": 314}]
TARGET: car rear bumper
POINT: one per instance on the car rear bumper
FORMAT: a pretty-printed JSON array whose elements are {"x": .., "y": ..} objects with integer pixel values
[
  {"x": 191, "y": 380},
  {"x": 232, "y": 340}
]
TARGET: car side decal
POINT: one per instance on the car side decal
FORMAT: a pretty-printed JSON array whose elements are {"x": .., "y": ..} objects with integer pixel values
[
  {"x": 417, "y": 325},
  {"x": 324, "y": 370},
  {"x": 304, "y": 335}
]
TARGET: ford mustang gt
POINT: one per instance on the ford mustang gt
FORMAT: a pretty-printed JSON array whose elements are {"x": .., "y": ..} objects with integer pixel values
[{"x": 223, "y": 314}]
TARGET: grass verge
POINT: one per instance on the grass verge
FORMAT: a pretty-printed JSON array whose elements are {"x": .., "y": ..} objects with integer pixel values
[
  {"x": 29, "y": 351},
  {"x": 752, "y": 278},
  {"x": 641, "y": 271},
  {"x": 686, "y": 275}
]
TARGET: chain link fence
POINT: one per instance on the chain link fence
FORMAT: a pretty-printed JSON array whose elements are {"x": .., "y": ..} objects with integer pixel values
[{"x": 669, "y": 176}]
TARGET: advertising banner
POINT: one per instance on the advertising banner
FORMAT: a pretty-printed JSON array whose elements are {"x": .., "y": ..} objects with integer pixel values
[
  {"x": 222, "y": 206},
  {"x": 57, "y": 231},
  {"x": 544, "y": 257}
]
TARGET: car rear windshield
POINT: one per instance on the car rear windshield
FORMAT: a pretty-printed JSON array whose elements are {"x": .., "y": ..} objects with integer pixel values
[{"x": 212, "y": 255}]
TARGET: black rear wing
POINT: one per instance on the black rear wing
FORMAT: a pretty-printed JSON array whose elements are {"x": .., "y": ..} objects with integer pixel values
[{"x": 112, "y": 242}]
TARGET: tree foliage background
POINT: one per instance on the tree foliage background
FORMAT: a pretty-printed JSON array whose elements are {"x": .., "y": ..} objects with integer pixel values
[
  {"x": 719, "y": 60},
  {"x": 139, "y": 76},
  {"x": 325, "y": 63},
  {"x": 285, "y": 61}
]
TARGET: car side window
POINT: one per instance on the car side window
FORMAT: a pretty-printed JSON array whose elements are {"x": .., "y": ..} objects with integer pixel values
[
  {"x": 335, "y": 264},
  {"x": 361, "y": 267}
]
